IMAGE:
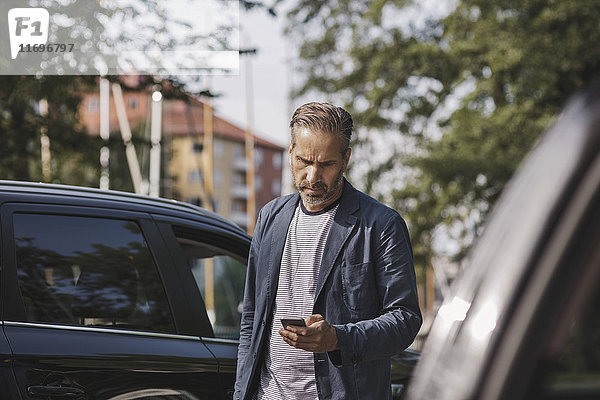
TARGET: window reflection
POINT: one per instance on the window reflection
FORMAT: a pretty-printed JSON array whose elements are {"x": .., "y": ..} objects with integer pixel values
[
  {"x": 220, "y": 276},
  {"x": 575, "y": 373},
  {"x": 88, "y": 271}
]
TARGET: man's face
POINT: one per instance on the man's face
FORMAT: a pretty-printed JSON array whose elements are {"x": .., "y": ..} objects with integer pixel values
[{"x": 318, "y": 167}]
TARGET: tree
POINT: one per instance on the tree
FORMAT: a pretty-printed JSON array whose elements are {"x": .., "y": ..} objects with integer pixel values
[
  {"x": 469, "y": 90},
  {"x": 123, "y": 36},
  {"x": 143, "y": 26},
  {"x": 74, "y": 153}
]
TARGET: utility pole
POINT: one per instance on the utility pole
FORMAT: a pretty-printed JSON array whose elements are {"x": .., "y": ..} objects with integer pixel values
[
  {"x": 132, "y": 161},
  {"x": 249, "y": 144},
  {"x": 207, "y": 149},
  {"x": 155, "y": 136}
]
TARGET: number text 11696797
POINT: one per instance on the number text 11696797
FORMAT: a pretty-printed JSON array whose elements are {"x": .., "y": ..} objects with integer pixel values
[{"x": 50, "y": 48}]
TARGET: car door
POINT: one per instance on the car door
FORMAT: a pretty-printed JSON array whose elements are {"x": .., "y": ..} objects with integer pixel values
[
  {"x": 8, "y": 385},
  {"x": 211, "y": 260},
  {"x": 92, "y": 309}
]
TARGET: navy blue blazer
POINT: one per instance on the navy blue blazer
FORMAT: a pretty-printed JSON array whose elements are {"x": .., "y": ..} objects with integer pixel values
[{"x": 366, "y": 289}]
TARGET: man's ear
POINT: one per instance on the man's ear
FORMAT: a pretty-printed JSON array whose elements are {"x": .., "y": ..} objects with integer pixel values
[{"x": 290, "y": 154}]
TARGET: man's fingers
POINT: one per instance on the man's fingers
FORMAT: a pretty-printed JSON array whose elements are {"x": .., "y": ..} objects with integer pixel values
[
  {"x": 293, "y": 336},
  {"x": 311, "y": 319},
  {"x": 290, "y": 338},
  {"x": 299, "y": 330},
  {"x": 290, "y": 342},
  {"x": 317, "y": 338}
]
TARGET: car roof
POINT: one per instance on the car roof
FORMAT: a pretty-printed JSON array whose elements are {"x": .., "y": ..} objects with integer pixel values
[{"x": 125, "y": 200}]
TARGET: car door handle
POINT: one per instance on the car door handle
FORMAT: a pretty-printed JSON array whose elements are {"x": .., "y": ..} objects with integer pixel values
[{"x": 56, "y": 391}]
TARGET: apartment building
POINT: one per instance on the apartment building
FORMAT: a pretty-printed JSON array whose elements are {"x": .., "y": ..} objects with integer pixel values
[{"x": 183, "y": 152}]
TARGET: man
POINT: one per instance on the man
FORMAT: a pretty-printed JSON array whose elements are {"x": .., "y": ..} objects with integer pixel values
[{"x": 337, "y": 258}]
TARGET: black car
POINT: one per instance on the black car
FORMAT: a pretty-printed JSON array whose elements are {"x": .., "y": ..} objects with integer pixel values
[
  {"x": 114, "y": 296},
  {"x": 523, "y": 322},
  {"x": 110, "y": 295}
]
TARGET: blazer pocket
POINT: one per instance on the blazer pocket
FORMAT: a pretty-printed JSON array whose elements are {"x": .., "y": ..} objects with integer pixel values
[{"x": 358, "y": 286}]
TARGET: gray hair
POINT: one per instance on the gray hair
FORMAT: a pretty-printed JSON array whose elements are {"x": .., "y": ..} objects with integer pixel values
[{"x": 324, "y": 118}]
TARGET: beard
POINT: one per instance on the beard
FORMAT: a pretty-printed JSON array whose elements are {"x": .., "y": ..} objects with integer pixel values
[{"x": 323, "y": 192}]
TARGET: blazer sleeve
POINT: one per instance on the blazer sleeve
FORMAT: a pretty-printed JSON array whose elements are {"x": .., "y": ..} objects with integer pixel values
[
  {"x": 400, "y": 318},
  {"x": 248, "y": 311}
]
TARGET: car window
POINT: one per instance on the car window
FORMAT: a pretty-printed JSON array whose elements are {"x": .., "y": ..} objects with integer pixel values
[
  {"x": 88, "y": 271},
  {"x": 219, "y": 275},
  {"x": 575, "y": 373}
]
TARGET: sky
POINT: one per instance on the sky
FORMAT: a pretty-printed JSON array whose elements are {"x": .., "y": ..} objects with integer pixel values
[
  {"x": 270, "y": 73},
  {"x": 272, "y": 77}
]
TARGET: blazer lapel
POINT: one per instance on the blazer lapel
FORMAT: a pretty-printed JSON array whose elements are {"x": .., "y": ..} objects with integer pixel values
[
  {"x": 279, "y": 230},
  {"x": 343, "y": 224}
]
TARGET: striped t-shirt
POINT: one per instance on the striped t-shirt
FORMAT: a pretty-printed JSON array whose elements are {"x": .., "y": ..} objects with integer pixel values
[{"x": 289, "y": 373}]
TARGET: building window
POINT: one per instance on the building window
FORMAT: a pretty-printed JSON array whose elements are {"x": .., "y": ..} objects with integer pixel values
[
  {"x": 277, "y": 160},
  {"x": 239, "y": 179},
  {"x": 92, "y": 104},
  {"x": 258, "y": 157},
  {"x": 217, "y": 177},
  {"x": 133, "y": 102},
  {"x": 219, "y": 149},
  {"x": 258, "y": 183},
  {"x": 198, "y": 147},
  {"x": 238, "y": 206},
  {"x": 195, "y": 176},
  {"x": 238, "y": 151},
  {"x": 276, "y": 188}
]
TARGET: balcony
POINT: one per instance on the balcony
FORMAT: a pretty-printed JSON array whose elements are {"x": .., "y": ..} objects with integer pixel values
[
  {"x": 240, "y": 218},
  {"x": 239, "y": 191},
  {"x": 240, "y": 164}
]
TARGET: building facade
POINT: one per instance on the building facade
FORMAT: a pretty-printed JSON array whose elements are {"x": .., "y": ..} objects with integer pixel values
[{"x": 184, "y": 155}]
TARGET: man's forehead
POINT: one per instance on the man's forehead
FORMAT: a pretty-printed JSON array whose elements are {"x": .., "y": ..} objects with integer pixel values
[
  {"x": 309, "y": 133},
  {"x": 307, "y": 140},
  {"x": 306, "y": 132}
]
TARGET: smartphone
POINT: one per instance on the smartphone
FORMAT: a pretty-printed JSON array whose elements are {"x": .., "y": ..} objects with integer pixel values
[{"x": 292, "y": 321}]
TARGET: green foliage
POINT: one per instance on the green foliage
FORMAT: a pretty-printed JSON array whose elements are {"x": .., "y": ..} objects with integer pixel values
[
  {"x": 74, "y": 153},
  {"x": 100, "y": 30},
  {"x": 470, "y": 91}
]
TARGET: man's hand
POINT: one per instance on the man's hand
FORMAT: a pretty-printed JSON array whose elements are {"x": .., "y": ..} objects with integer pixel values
[{"x": 318, "y": 336}]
